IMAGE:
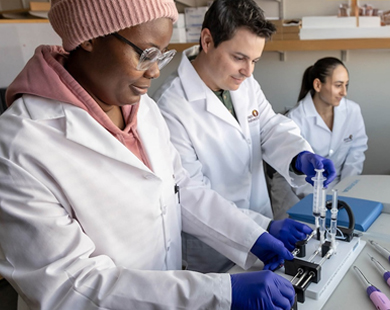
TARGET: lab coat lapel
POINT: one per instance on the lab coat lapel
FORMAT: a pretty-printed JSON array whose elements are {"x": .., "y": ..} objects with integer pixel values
[
  {"x": 84, "y": 130},
  {"x": 150, "y": 137},
  {"x": 217, "y": 108},
  {"x": 340, "y": 117},
  {"x": 198, "y": 92},
  {"x": 310, "y": 111},
  {"x": 241, "y": 114}
]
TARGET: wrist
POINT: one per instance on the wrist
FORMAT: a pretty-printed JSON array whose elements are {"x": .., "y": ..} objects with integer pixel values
[{"x": 296, "y": 163}]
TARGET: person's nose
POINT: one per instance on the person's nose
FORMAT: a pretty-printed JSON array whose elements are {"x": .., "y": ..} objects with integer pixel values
[
  {"x": 153, "y": 72},
  {"x": 247, "y": 69},
  {"x": 344, "y": 91}
]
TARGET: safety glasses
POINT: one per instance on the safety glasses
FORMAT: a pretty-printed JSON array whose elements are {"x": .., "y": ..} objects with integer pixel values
[{"x": 148, "y": 56}]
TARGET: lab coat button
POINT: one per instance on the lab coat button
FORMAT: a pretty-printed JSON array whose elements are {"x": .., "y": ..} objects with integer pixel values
[
  {"x": 331, "y": 152},
  {"x": 249, "y": 141},
  {"x": 163, "y": 210}
]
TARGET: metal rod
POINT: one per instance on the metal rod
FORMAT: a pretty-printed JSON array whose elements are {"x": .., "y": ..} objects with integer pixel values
[
  {"x": 301, "y": 278},
  {"x": 330, "y": 252},
  {"x": 300, "y": 271},
  {"x": 311, "y": 275},
  {"x": 314, "y": 255}
]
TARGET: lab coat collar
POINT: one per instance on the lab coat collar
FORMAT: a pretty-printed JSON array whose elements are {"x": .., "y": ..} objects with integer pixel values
[
  {"x": 193, "y": 85},
  {"x": 310, "y": 111},
  {"x": 197, "y": 91},
  {"x": 238, "y": 97},
  {"x": 83, "y": 129},
  {"x": 340, "y": 117},
  {"x": 149, "y": 134}
]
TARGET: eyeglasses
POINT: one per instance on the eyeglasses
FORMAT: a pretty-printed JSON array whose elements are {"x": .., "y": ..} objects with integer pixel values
[{"x": 148, "y": 56}]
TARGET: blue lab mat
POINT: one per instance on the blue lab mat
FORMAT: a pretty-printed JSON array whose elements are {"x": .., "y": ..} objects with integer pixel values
[{"x": 365, "y": 211}]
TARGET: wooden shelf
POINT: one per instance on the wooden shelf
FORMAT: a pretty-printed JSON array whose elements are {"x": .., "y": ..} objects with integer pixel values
[
  {"x": 312, "y": 45},
  {"x": 23, "y": 21}
]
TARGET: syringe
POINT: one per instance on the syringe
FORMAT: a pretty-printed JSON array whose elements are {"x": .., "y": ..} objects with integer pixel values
[
  {"x": 318, "y": 195},
  {"x": 322, "y": 218},
  {"x": 381, "y": 269},
  {"x": 333, "y": 219},
  {"x": 380, "y": 249}
]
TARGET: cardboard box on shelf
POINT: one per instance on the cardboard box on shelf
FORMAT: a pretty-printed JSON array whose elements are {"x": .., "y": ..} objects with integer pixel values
[
  {"x": 193, "y": 34},
  {"x": 19, "y": 5},
  {"x": 179, "y": 35},
  {"x": 181, "y": 23},
  {"x": 194, "y": 16},
  {"x": 25, "y": 10},
  {"x": 287, "y": 29}
]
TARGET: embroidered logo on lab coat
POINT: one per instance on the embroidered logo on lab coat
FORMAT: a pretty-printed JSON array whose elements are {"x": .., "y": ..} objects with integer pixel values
[
  {"x": 348, "y": 139},
  {"x": 255, "y": 116}
]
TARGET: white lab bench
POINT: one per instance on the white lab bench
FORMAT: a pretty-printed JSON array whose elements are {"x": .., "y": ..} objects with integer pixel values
[{"x": 350, "y": 294}]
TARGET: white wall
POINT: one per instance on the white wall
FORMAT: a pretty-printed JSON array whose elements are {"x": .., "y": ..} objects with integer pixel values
[{"x": 18, "y": 43}]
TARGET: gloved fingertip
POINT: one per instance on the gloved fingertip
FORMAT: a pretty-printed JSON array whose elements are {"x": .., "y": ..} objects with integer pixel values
[
  {"x": 307, "y": 230},
  {"x": 290, "y": 247},
  {"x": 309, "y": 180},
  {"x": 266, "y": 267},
  {"x": 288, "y": 255}
]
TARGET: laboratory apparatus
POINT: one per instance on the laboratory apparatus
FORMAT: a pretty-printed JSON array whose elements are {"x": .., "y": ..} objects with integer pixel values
[
  {"x": 381, "y": 269},
  {"x": 304, "y": 273},
  {"x": 333, "y": 219},
  {"x": 317, "y": 267},
  {"x": 379, "y": 299},
  {"x": 318, "y": 195},
  {"x": 385, "y": 252}
]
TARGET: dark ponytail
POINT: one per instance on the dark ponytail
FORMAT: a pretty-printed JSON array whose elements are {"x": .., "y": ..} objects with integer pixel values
[{"x": 320, "y": 70}]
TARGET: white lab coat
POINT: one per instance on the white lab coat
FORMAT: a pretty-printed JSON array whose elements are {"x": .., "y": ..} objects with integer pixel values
[
  {"x": 84, "y": 224},
  {"x": 223, "y": 154},
  {"x": 344, "y": 145}
]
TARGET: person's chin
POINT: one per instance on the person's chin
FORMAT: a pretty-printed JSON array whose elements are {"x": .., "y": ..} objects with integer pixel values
[
  {"x": 236, "y": 83},
  {"x": 337, "y": 102},
  {"x": 131, "y": 101}
]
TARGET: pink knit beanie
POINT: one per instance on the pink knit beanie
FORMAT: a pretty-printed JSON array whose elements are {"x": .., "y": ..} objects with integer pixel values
[{"x": 76, "y": 21}]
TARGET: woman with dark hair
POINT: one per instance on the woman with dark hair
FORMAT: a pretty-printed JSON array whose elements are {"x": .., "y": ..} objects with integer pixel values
[{"x": 332, "y": 124}]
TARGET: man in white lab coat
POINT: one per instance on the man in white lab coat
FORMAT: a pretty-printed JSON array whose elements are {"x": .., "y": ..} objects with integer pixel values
[{"x": 224, "y": 127}]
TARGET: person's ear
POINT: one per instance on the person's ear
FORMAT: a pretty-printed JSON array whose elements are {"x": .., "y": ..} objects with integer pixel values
[
  {"x": 317, "y": 85},
  {"x": 87, "y": 45},
  {"x": 206, "y": 39}
]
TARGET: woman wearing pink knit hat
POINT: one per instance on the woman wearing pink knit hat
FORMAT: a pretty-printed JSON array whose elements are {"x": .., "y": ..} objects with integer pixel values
[{"x": 93, "y": 194}]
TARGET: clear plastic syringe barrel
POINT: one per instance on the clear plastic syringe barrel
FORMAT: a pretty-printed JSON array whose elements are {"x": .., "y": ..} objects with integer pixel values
[
  {"x": 333, "y": 219},
  {"x": 318, "y": 194},
  {"x": 322, "y": 216}
]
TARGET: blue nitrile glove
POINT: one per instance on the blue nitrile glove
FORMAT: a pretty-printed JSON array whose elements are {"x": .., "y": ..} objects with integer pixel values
[
  {"x": 306, "y": 162},
  {"x": 261, "y": 290},
  {"x": 289, "y": 232},
  {"x": 270, "y": 251}
]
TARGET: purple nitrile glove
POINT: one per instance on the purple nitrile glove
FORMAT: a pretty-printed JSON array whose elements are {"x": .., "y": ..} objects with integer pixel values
[
  {"x": 289, "y": 232},
  {"x": 270, "y": 251},
  {"x": 261, "y": 290},
  {"x": 306, "y": 162}
]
